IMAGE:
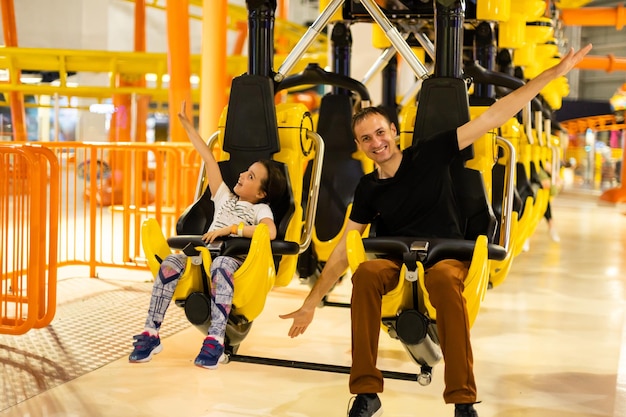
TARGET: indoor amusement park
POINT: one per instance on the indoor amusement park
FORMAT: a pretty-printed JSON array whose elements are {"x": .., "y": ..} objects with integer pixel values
[{"x": 159, "y": 256}]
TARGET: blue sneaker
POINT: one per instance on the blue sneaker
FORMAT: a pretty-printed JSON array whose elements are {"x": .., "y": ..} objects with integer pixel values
[
  {"x": 145, "y": 347},
  {"x": 210, "y": 353}
]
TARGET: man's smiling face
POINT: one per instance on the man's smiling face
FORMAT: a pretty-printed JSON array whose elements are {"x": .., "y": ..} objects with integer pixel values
[{"x": 375, "y": 136}]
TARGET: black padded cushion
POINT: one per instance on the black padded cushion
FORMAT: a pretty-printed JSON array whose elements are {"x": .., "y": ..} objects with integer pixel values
[
  {"x": 335, "y": 124},
  {"x": 251, "y": 134},
  {"x": 196, "y": 218},
  {"x": 251, "y": 127},
  {"x": 396, "y": 246},
  {"x": 443, "y": 105}
]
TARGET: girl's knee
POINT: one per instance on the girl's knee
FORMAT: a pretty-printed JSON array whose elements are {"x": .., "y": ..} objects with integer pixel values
[
  {"x": 173, "y": 264},
  {"x": 225, "y": 264}
]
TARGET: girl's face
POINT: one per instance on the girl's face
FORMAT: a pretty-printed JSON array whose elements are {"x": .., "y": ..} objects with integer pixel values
[{"x": 249, "y": 188}]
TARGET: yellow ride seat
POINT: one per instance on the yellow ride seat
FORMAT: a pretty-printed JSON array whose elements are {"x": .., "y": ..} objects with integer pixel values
[
  {"x": 445, "y": 107},
  {"x": 249, "y": 130}
]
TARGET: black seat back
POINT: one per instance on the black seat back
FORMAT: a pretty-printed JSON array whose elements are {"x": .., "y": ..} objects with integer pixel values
[
  {"x": 443, "y": 105},
  {"x": 250, "y": 134}
]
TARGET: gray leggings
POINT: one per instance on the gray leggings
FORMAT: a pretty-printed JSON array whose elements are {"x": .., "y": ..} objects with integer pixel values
[{"x": 172, "y": 267}]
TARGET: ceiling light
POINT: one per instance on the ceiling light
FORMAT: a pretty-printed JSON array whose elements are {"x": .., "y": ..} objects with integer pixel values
[{"x": 31, "y": 78}]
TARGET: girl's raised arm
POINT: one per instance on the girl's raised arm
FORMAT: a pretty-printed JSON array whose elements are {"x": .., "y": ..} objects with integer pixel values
[{"x": 213, "y": 172}]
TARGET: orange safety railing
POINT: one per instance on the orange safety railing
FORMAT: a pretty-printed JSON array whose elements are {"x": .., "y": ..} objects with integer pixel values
[
  {"x": 108, "y": 189},
  {"x": 29, "y": 192},
  {"x": 56, "y": 209},
  {"x": 595, "y": 123}
]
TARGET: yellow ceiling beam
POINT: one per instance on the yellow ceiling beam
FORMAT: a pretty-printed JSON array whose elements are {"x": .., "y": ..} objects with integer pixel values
[{"x": 113, "y": 64}]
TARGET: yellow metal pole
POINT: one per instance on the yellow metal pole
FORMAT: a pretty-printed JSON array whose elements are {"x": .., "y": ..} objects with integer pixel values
[
  {"x": 16, "y": 99},
  {"x": 178, "y": 62},
  {"x": 213, "y": 85}
]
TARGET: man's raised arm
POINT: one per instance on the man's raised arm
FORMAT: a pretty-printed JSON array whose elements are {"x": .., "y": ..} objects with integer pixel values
[{"x": 506, "y": 107}]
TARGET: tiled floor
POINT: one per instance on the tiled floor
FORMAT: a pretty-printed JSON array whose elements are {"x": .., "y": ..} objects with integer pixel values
[
  {"x": 548, "y": 342},
  {"x": 94, "y": 321}
]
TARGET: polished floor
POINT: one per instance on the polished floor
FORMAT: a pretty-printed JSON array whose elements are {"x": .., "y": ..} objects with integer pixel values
[{"x": 548, "y": 342}]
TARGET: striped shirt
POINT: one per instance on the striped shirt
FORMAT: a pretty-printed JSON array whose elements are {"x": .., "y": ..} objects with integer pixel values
[{"x": 229, "y": 210}]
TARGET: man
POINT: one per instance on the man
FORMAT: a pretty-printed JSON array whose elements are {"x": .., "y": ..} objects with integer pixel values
[{"x": 410, "y": 194}]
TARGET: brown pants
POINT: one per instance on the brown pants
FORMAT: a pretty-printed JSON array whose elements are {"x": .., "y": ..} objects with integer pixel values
[{"x": 444, "y": 282}]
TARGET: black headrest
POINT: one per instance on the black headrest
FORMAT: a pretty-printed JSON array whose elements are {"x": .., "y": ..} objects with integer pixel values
[
  {"x": 251, "y": 129},
  {"x": 335, "y": 123},
  {"x": 251, "y": 134},
  {"x": 443, "y": 105}
]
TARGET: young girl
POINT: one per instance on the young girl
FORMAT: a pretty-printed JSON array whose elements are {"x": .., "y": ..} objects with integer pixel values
[{"x": 236, "y": 214}]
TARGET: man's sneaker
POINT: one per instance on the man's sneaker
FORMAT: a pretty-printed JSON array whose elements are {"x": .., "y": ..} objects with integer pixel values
[
  {"x": 210, "y": 353},
  {"x": 465, "y": 410},
  {"x": 145, "y": 347},
  {"x": 366, "y": 405}
]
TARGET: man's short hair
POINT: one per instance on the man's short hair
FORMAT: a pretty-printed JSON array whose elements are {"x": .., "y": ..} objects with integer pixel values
[{"x": 366, "y": 112}]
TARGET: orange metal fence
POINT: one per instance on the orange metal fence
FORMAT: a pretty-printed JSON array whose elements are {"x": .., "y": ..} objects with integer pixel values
[
  {"x": 28, "y": 235},
  {"x": 70, "y": 203},
  {"x": 108, "y": 189}
]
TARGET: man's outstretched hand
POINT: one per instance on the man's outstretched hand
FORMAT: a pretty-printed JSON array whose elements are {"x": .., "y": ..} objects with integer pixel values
[
  {"x": 570, "y": 60},
  {"x": 301, "y": 320}
]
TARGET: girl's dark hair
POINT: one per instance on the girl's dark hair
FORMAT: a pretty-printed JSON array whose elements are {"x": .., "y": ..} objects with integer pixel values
[{"x": 275, "y": 184}]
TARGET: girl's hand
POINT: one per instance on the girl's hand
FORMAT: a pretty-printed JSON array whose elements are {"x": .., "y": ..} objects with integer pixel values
[
  {"x": 209, "y": 237},
  {"x": 214, "y": 175},
  {"x": 182, "y": 116}
]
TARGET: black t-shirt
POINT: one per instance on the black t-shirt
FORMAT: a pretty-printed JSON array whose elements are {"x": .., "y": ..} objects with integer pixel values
[{"x": 418, "y": 200}]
